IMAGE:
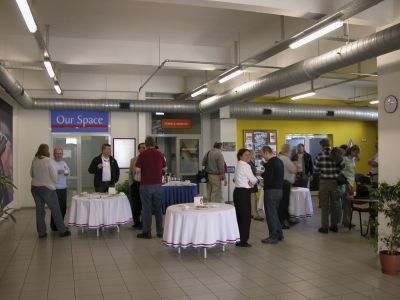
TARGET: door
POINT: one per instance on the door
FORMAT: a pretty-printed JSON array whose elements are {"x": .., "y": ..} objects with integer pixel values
[
  {"x": 182, "y": 155},
  {"x": 79, "y": 150}
]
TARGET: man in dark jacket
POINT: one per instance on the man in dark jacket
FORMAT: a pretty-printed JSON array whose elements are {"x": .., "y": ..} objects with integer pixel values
[
  {"x": 273, "y": 183},
  {"x": 305, "y": 166},
  {"x": 105, "y": 169}
]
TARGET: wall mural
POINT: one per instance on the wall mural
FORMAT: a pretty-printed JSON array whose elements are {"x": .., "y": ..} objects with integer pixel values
[{"x": 6, "y": 149}]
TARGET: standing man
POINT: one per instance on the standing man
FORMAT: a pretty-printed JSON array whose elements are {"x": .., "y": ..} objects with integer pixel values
[
  {"x": 329, "y": 171},
  {"x": 273, "y": 183},
  {"x": 150, "y": 164},
  {"x": 61, "y": 183},
  {"x": 134, "y": 180},
  {"x": 305, "y": 167},
  {"x": 213, "y": 162},
  {"x": 105, "y": 169},
  {"x": 289, "y": 175}
]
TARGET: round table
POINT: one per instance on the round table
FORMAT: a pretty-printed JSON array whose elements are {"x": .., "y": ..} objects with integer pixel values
[
  {"x": 200, "y": 228},
  {"x": 98, "y": 210},
  {"x": 300, "y": 203}
]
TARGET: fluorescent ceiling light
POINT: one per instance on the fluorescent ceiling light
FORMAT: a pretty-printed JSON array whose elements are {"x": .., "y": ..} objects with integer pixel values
[
  {"x": 200, "y": 91},
  {"x": 57, "y": 88},
  {"x": 159, "y": 113},
  {"x": 229, "y": 75},
  {"x": 27, "y": 14},
  {"x": 316, "y": 34},
  {"x": 49, "y": 67},
  {"x": 374, "y": 102},
  {"x": 308, "y": 94}
]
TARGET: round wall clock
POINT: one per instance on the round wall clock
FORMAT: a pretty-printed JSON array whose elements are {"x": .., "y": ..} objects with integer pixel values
[{"x": 390, "y": 104}]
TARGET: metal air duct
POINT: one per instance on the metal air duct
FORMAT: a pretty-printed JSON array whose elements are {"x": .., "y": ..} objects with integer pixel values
[
  {"x": 302, "y": 111},
  {"x": 13, "y": 88},
  {"x": 119, "y": 105},
  {"x": 376, "y": 44}
]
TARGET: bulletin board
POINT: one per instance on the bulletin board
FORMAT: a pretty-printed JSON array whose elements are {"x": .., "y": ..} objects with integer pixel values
[{"x": 256, "y": 139}]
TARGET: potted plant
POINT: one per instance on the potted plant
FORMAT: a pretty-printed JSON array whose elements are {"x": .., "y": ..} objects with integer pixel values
[
  {"x": 123, "y": 187},
  {"x": 6, "y": 183},
  {"x": 389, "y": 206}
]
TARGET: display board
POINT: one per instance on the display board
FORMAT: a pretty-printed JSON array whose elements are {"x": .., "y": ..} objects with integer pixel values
[
  {"x": 256, "y": 139},
  {"x": 124, "y": 150}
]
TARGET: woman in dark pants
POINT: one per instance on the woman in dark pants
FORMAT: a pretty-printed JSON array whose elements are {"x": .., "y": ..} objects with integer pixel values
[{"x": 244, "y": 181}]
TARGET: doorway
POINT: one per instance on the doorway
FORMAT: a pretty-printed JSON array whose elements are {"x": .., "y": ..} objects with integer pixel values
[{"x": 79, "y": 150}]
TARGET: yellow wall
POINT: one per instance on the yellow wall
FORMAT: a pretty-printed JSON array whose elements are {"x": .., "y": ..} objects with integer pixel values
[{"x": 341, "y": 132}]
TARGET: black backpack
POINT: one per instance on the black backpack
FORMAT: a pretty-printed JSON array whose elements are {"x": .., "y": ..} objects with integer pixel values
[{"x": 336, "y": 155}]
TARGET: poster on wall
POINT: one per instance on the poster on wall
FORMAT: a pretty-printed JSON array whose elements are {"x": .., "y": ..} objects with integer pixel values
[
  {"x": 256, "y": 139},
  {"x": 124, "y": 151},
  {"x": 6, "y": 150}
]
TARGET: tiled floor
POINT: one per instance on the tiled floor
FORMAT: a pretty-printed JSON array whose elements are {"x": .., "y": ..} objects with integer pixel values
[{"x": 306, "y": 265}]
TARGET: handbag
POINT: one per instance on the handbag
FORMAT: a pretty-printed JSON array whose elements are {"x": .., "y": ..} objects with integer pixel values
[{"x": 202, "y": 176}]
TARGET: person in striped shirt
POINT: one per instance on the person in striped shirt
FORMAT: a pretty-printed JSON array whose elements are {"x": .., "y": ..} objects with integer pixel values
[{"x": 329, "y": 171}]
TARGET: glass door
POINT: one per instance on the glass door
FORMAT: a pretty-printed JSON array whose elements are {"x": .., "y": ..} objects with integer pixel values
[
  {"x": 79, "y": 150},
  {"x": 188, "y": 158}
]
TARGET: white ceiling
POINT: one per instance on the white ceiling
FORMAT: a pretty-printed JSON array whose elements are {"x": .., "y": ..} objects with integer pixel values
[{"x": 125, "y": 40}]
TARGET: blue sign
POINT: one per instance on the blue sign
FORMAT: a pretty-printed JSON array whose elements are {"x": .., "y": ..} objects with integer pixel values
[{"x": 79, "y": 121}]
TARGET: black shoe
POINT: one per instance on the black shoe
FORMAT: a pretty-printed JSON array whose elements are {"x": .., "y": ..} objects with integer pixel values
[
  {"x": 159, "y": 235},
  {"x": 65, "y": 233},
  {"x": 333, "y": 228},
  {"x": 240, "y": 244},
  {"x": 269, "y": 241},
  {"x": 53, "y": 229},
  {"x": 144, "y": 235},
  {"x": 323, "y": 230},
  {"x": 281, "y": 238},
  {"x": 42, "y": 236},
  {"x": 284, "y": 226}
]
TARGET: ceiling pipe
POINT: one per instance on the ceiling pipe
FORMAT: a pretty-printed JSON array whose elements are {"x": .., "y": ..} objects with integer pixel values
[
  {"x": 376, "y": 44},
  {"x": 14, "y": 88},
  {"x": 302, "y": 111}
]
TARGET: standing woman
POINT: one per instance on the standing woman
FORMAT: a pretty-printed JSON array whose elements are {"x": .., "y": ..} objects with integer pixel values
[
  {"x": 43, "y": 190},
  {"x": 244, "y": 181},
  {"x": 349, "y": 171}
]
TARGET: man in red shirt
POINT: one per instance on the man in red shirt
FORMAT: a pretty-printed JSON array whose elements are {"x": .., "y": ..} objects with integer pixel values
[{"x": 150, "y": 164}]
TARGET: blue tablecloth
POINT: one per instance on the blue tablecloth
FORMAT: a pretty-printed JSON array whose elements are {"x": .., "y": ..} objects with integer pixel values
[{"x": 178, "y": 194}]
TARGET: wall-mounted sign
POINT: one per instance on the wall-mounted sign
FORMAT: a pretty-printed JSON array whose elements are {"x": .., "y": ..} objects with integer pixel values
[
  {"x": 79, "y": 121},
  {"x": 176, "y": 123}
]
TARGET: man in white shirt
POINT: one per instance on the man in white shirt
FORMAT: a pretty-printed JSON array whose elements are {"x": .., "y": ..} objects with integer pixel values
[
  {"x": 105, "y": 169},
  {"x": 61, "y": 183}
]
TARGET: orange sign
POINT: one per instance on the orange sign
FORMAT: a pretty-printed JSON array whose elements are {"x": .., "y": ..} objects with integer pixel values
[{"x": 176, "y": 123}]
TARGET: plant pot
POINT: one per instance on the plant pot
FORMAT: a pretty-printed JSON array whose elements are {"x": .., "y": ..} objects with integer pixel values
[{"x": 390, "y": 263}]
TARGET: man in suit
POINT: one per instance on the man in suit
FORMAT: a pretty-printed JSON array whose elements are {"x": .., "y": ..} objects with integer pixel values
[
  {"x": 105, "y": 169},
  {"x": 305, "y": 166}
]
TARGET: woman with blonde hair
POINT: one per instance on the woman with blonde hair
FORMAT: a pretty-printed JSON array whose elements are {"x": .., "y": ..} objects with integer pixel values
[{"x": 43, "y": 188}]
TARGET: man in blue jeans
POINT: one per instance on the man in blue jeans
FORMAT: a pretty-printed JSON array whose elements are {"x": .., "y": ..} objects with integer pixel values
[
  {"x": 273, "y": 182},
  {"x": 150, "y": 164}
]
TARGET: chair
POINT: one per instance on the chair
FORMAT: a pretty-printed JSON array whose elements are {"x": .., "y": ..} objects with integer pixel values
[{"x": 360, "y": 207}]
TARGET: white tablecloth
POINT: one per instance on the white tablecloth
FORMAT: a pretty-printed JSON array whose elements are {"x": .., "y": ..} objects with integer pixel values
[
  {"x": 99, "y": 210},
  {"x": 203, "y": 228},
  {"x": 300, "y": 205}
]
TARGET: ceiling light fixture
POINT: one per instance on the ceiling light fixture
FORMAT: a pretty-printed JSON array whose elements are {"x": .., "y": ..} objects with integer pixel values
[
  {"x": 374, "y": 102},
  {"x": 57, "y": 87},
  {"x": 230, "y": 74},
  {"x": 159, "y": 113},
  {"x": 49, "y": 67},
  {"x": 199, "y": 91},
  {"x": 27, "y": 14},
  {"x": 316, "y": 34},
  {"x": 304, "y": 95}
]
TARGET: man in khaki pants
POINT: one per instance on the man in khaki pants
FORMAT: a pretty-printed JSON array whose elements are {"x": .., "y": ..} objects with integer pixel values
[{"x": 213, "y": 162}]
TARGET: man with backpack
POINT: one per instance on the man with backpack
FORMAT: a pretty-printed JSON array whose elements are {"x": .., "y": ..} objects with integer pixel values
[{"x": 328, "y": 164}]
